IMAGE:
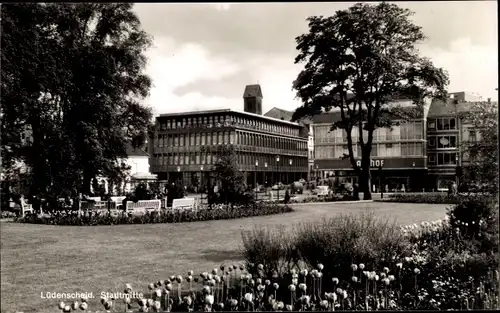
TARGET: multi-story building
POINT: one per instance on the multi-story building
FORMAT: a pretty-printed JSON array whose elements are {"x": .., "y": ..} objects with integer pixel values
[
  {"x": 448, "y": 133},
  {"x": 398, "y": 156},
  {"x": 184, "y": 145},
  {"x": 307, "y": 123}
]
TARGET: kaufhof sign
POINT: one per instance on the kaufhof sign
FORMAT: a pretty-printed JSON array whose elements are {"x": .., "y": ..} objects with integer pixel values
[{"x": 373, "y": 163}]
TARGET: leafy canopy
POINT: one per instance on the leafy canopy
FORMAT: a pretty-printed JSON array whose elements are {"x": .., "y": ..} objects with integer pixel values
[
  {"x": 72, "y": 75},
  {"x": 357, "y": 61}
]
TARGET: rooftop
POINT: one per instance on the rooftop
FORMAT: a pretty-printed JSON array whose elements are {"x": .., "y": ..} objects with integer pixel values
[
  {"x": 271, "y": 119},
  {"x": 252, "y": 91}
]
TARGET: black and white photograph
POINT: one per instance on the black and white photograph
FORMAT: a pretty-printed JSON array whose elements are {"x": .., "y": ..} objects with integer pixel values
[{"x": 272, "y": 156}]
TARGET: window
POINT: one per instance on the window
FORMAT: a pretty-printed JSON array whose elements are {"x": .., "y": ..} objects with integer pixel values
[
  {"x": 226, "y": 137},
  {"x": 176, "y": 140},
  {"x": 432, "y": 159},
  {"x": 176, "y": 159},
  {"x": 472, "y": 136},
  {"x": 197, "y": 139},
  {"x": 203, "y": 136},
  {"x": 446, "y": 124},
  {"x": 439, "y": 124},
  {"x": 432, "y": 141},
  {"x": 203, "y": 158},
  {"x": 209, "y": 158},
  {"x": 446, "y": 158},
  {"x": 452, "y": 123},
  {"x": 446, "y": 142},
  {"x": 181, "y": 159},
  {"x": 187, "y": 158},
  {"x": 191, "y": 139},
  {"x": 219, "y": 134}
]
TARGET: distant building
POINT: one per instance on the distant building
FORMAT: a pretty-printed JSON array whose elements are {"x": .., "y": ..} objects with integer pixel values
[
  {"x": 184, "y": 145},
  {"x": 307, "y": 129}
]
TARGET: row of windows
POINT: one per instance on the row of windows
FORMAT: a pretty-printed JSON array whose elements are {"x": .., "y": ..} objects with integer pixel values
[
  {"x": 442, "y": 158},
  {"x": 405, "y": 131},
  {"x": 381, "y": 150},
  {"x": 444, "y": 123},
  {"x": 442, "y": 142},
  {"x": 243, "y": 159},
  {"x": 241, "y": 138},
  {"x": 227, "y": 120}
]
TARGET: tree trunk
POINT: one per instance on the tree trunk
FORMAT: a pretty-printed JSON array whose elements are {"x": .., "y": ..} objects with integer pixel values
[{"x": 364, "y": 183}]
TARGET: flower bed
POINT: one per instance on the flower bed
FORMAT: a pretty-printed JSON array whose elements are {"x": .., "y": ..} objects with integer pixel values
[
  {"x": 219, "y": 212},
  {"x": 432, "y": 198},
  {"x": 234, "y": 288},
  {"x": 332, "y": 198}
]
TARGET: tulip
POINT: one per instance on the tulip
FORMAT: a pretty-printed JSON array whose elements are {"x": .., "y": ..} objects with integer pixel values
[
  {"x": 210, "y": 276},
  {"x": 361, "y": 266},
  {"x": 168, "y": 287},
  {"x": 291, "y": 288},
  {"x": 416, "y": 271},
  {"x": 376, "y": 277},
  {"x": 151, "y": 286},
  {"x": 386, "y": 269},
  {"x": 383, "y": 275},
  {"x": 354, "y": 267},
  {"x": 276, "y": 286},
  {"x": 259, "y": 281},
  {"x": 339, "y": 291},
  {"x": 354, "y": 279},
  {"x": 267, "y": 282},
  {"x": 303, "y": 287},
  {"x": 304, "y": 272},
  {"x": 391, "y": 277},
  {"x": 158, "y": 293},
  {"x": 249, "y": 297},
  {"x": 172, "y": 278},
  {"x": 107, "y": 305},
  {"x": 84, "y": 298},
  {"x": 386, "y": 281},
  {"x": 206, "y": 289},
  {"x": 61, "y": 305},
  {"x": 84, "y": 306},
  {"x": 280, "y": 305},
  {"x": 179, "y": 279},
  {"x": 335, "y": 280},
  {"x": 399, "y": 265},
  {"x": 189, "y": 278},
  {"x": 324, "y": 304},
  {"x": 209, "y": 299},
  {"x": 67, "y": 309},
  {"x": 320, "y": 266},
  {"x": 150, "y": 303},
  {"x": 260, "y": 267},
  {"x": 261, "y": 288}
]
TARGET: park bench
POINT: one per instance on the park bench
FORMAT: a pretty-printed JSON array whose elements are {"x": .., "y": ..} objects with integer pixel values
[
  {"x": 143, "y": 206},
  {"x": 183, "y": 204}
]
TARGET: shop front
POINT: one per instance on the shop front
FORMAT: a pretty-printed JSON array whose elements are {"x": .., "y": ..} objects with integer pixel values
[{"x": 388, "y": 174}]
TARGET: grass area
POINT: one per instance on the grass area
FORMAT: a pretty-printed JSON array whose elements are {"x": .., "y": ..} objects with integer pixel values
[{"x": 42, "y": 258}]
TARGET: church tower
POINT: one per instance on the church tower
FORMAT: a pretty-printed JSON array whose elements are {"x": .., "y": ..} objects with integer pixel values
[{"x": 252, "y": 99}]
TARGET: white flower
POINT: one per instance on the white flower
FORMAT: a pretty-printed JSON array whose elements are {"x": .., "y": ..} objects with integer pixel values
[
  {"x": 320, "y": 266},
  {"x": 158, "y": 293},
  {"x": 391, "y": 277},
  {"x": 61, "y": 305},
  {"x": 399, "y": 265},
  {"x": 276, "y": 286},
  {"x": 354, "y": 279},
  {"x": 335, "y": 280},
  {"x": 302, "y": 286},
  {"x": 295, "y": 281},
  {"x": 249, "y": 297},
  {"x": 416, "y": 271},
  {"x": 324, "y": 304},
  {"x": 361, "y": 266},
  {"x": 209, "y": 299},
  {"x": 84, "y": 306},
  {"x": 291, "y": 288},
  {"x": 260, "y": 266}
]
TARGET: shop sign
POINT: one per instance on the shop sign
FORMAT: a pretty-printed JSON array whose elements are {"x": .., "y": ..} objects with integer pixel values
[{"x": 373, "y": 163}]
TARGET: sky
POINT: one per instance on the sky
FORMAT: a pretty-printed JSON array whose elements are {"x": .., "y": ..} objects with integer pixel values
[{"x": 203, "y": 55}]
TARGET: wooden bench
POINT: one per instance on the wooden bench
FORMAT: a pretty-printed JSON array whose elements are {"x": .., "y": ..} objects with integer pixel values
[
  {"x": 143, "y": 206},
  {"x": 183, "y": 204}
]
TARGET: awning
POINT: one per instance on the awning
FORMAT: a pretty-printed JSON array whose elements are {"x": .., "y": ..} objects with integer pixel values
[{"x": 144, "y": 176}]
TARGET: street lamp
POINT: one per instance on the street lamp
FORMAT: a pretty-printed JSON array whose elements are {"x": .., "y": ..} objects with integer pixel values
[
  {"x": 414, "y": 176},
  {"x": 201, "y": 182},
  {"x": 291, "y": 165},
  {"x": 457, "y": 174},
  {"x": 264, "y": 174},
  {"x": 317, "y": 173},
  {"x": 255, "y": 178},
  {"x": 380, "y": 186},
  {"x": 277, "y": 175}
]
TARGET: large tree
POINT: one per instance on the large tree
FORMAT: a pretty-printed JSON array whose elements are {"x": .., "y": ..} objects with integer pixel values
[
  {"x": 72, "y": 74},
  {"x": 482, "y": 152},
  {"x": 229, "y": 176},
  {"x": 357, "y": 61}
]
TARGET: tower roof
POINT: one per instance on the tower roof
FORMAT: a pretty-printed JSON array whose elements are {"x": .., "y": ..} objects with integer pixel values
[{"x": 252, "y": 91}]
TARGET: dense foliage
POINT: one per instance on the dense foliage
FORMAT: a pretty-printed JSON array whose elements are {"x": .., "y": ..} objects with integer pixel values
[
  {"x": 230, "y": 179},
  {"x": 358, "y": 61},
  {"x": 436, "y": 198},
  {"x": 96, "y": 218},
  {"x": 72, "y": 80}
]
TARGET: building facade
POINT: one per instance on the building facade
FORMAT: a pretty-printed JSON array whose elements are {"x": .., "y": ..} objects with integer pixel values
[
  {"x": 184, "y": 145},
  {"x": 308, "y": 127},
  {"x": 398, "y": 156},
  {"x": 427, "y": 152}
]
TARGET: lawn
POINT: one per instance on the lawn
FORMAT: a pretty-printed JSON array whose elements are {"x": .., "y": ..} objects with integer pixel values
[{"x": 41, "y": 258}]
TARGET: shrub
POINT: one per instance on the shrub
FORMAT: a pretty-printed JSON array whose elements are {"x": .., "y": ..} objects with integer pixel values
[
  {"x": 348, "y": 239},
  {"x": 71, "y": 218},
  {"x": 434, "y": 198}
]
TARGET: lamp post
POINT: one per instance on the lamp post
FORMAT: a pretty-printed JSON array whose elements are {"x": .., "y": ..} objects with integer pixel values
[
  {"x": 414, "y": 179},
  {"x": 291, "y": 166},
  {"x": 457, "y": 170},
  {"x": 316, "y": 173},
  {"x": 201, "y": 182},
  {"x": 265, "y": 178},
  {"x": 255, "y": 178},
  {"x": 179, "y": 171},
  {"x": 277, "y": 175},
  {"x": 380, "y": 186}
]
